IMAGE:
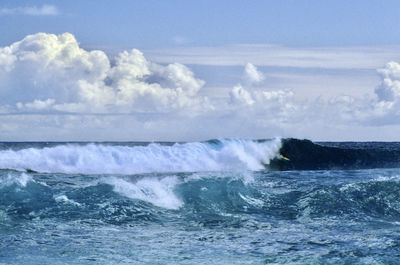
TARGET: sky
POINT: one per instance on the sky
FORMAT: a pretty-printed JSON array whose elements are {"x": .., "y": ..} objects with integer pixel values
[{"x": 198, "y": 70}]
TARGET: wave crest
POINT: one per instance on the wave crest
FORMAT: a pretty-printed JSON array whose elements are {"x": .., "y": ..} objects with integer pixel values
[{"x": 218, "y": 155}]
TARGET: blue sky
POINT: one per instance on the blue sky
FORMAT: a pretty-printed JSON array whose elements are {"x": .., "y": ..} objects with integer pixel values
[
  {"x": 145, "y": 24},
  {"x": 325, "y": 70}
]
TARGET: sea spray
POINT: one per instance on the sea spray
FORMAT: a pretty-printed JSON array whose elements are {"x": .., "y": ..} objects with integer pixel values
[{"x": 157, "y": 191}]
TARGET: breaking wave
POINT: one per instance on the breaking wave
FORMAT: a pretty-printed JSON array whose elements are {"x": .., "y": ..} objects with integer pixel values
[
  {"x": 304, "y": 216},
  {"x": 214, "y": 155}
]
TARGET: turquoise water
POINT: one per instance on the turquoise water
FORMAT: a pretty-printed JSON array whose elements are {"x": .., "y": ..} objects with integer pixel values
[{"x": 199, "y": 203}]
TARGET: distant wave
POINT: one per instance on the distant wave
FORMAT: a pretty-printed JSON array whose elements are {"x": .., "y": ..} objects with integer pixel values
[{"x": 214, "y": 155}]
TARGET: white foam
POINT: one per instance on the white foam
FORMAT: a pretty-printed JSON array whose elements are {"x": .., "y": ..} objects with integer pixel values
[
  {"x": 252, "y": 201},
  {"x": 159, "y": 192},
  {"x": 19, "y": 179},
  {"x": 4, "y": 217},
  {"x": 388, "y": 178},
  {"x": 105, "y": 159},
  {"x": 65, "y": 199}
]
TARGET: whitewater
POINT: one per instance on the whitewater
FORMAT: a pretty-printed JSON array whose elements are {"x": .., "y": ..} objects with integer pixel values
[
  {"x": 215, "y": 155},
  {"x": 225, "y": 201}
]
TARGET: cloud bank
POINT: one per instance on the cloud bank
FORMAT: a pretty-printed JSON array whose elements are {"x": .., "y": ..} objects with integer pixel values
[
  {"x": 52, "y": 89},
  {"x": 281, "y": 56},
  {"x": 49, "y": 72}
]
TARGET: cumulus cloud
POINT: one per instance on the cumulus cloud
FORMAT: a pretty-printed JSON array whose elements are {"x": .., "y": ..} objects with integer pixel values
[
  {"x": 45, "y": 10},
  {"x": 260, "y": 96},
  {"x": 386, "y": 109},
  {"x": 261, "y": 109},
  {"x": 129, "y": 97},
  {"x": 389, "y": 89},
  {"x": 45, "y": 71},
  {"x": 268, "y": 106},
  {"x": 380, "y": 109},
  {"x": 239, "y": 95},
  {"x": 252, "y": 75}
]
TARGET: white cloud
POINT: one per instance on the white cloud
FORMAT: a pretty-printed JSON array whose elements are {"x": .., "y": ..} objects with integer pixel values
[
  {"x": 252, "y": 75},
  {"x": 380, "y": 109},
  {"x": 389, "y": 89},
  {"x": 46, "y": 66},
  {"x": 45, "y": 10},
  {"x": 239, "y": 95},
  {"x": 50, "y": 83}
]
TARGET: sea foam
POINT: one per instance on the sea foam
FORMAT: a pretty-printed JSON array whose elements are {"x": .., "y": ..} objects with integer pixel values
[
  {"x": 15, "y": 178},
  {"x": 159, "y": 192}
]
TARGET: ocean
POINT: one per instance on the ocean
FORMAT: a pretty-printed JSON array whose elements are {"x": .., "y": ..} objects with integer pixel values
[{"x": 226, "y": 201}]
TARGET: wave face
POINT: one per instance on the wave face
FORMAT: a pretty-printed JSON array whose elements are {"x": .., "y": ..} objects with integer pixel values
[
  {"x": 306, "y": 155},
  {"x": 214, "y": 155},
  {"x": 281, "y": 195}
]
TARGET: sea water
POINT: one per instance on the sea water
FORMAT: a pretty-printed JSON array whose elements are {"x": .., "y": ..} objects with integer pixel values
[{"x": 214, "y": 202}]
